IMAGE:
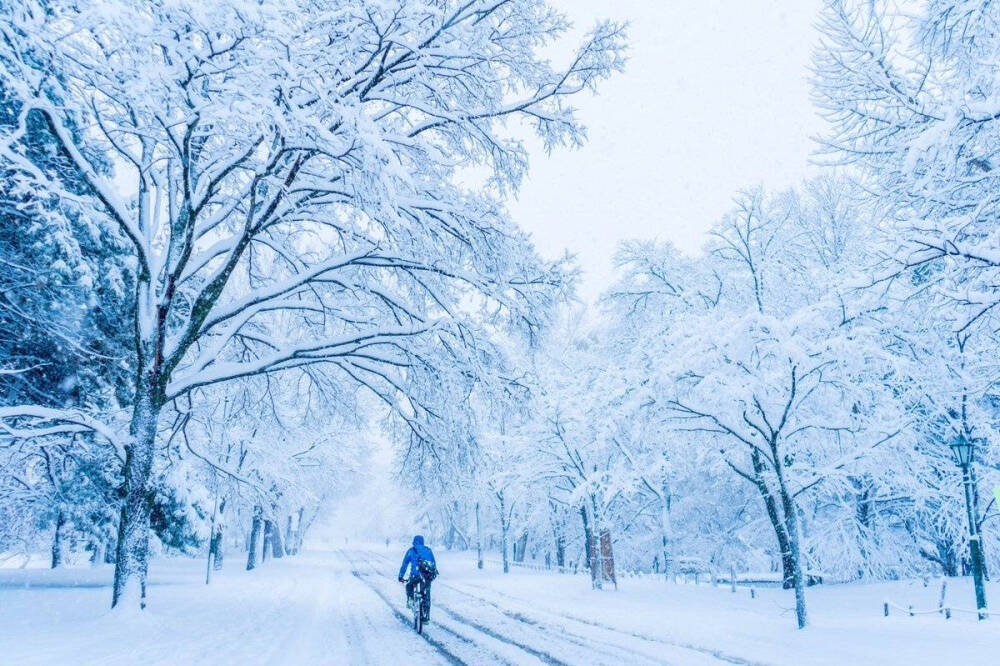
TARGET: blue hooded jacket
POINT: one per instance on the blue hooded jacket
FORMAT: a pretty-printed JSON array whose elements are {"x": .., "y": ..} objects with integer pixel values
[{"x": 418, "y": 552}]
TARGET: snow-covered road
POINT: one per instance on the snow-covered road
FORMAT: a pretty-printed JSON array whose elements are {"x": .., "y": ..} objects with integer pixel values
[
  {"x": 327, "y": 607},
  {"x": 306, "y": 610},
  {"x": 344, "y": 606},
  {"x": 476, "y": 625}
]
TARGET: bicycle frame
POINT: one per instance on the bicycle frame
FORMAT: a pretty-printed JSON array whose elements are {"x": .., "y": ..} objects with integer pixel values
[{"x": 419, "y": 601}]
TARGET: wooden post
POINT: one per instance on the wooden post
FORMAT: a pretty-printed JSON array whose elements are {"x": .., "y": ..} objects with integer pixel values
[
  {"x": 944, "y": 591},
  {"x": 753, "y": 593},
  {"x": 732, "y": 578},
  {"x": 911, "y": 610},
  {"x": 947, "y": 613},
  {"x": 885, "y": 608}
]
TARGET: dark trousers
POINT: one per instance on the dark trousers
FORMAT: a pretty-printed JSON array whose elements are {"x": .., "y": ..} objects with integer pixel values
[{"x": 427, "y": 591}]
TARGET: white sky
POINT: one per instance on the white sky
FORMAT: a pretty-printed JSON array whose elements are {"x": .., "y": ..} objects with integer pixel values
[{"x": 715, "y": 98}]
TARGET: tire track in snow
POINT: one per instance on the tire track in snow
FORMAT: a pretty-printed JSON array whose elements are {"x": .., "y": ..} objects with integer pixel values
[
  {"x": 440, "y": 646},
  {"x": 526, "y": 619},
  {"x": 613, "y": 653},
  {"x": 436, "y": 644},
  {"x": 707, "y": 651},
  {"x": 613, "y": 650},
  {"x": 468, "y": 623},
  {"x": 469, "y": 631}
]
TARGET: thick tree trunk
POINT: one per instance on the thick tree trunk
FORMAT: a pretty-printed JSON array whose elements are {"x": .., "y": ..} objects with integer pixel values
[
  {"x": 217, "y": 539},
  {"x": 560, "y": 541},
  {"x": 777, "y": 521},
  {"x": 216, "y": 547},
  {"x": 277, "y": 548},
  {"x": 57, "y": 540},
  {"x": 132, "y": 551},
  {"x": 594, "y": 562},
  {"x": 255, "y": 529},
  {"x": 794, "y": 544},
  {"x": 521, "y": 547},
  {"x": 608, "y": 558},
  {"x": 289, "y": 548},
  {"x": 592, "y": 549},
  {"x": 265, "y": 551}
]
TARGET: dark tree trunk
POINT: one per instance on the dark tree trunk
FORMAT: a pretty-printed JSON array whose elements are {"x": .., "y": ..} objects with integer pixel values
[
  {"x": 983, "y": 564},
  {"x": 300, "y": 531},
  {"x": 592, "y": 550},
  {"x": 57, "y": 540},
  {"x": 255, "y": 529},
  {"x": 608, "y": 558},
  {"x": 216, "y": 548},
  {"x": 521, "y": 547},
  {"x": 289, "y": 548},
  {"x": 794, "y": 540},
  {"x": 265, "y": 551},
  {"x": 277, "y": 548},
  {"x": 777, "y": 521},
  {"x": 217, "y": 540}
]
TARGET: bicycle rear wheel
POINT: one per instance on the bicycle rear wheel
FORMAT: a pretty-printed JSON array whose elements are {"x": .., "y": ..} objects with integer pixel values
[{"x": 418, "y": 609}]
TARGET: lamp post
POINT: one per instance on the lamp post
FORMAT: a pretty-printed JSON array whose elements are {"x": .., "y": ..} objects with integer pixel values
[{"x": 964, "y": 449}]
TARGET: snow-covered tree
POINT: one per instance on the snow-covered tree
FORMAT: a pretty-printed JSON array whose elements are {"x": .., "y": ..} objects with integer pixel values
[
  {"x": 911, "y": 96},
  {"x": 283, "y": 174},
  {"x": 761, "y": 348},
  {"x": 912, "y": 100}
]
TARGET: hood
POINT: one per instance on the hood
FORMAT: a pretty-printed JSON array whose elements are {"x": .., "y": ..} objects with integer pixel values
[{"x": 418, "y": 540}]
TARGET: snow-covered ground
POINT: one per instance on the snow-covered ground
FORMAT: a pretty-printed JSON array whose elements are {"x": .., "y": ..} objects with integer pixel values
[{"x": 345, "y": 607}]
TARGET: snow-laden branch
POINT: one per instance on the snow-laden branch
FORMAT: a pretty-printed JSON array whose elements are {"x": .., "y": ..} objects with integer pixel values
[
  {"x": 363, "y": 345},
  {"x": 31, "y": 421}
]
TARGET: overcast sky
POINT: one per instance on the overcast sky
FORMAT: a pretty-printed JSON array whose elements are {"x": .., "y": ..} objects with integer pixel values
[{"x": 715, "y": 98}]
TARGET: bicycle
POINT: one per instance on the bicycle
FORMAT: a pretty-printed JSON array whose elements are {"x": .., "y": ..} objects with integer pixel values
[{"x": 420, "y": 605}]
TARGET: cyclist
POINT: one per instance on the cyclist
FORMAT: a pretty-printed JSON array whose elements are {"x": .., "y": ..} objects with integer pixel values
[{"x": 420, "y": 561}]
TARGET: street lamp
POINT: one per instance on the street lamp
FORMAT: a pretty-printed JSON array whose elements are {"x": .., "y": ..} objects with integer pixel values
[{"x": 964, "y": 449}]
